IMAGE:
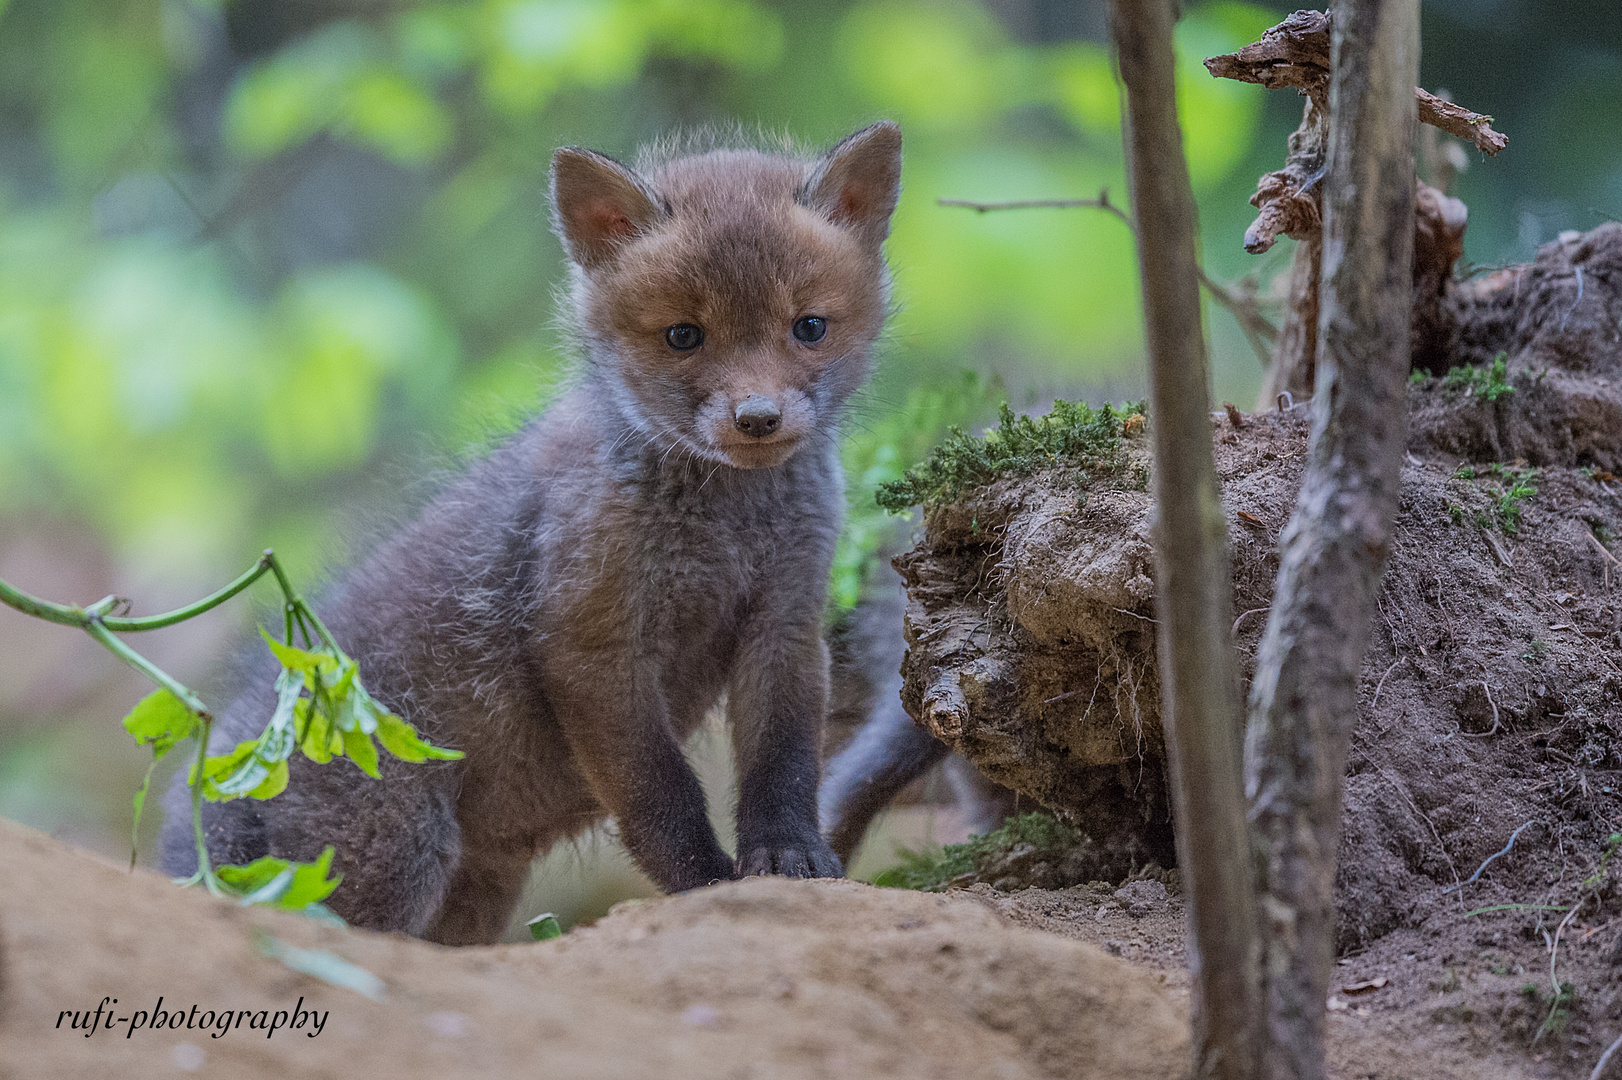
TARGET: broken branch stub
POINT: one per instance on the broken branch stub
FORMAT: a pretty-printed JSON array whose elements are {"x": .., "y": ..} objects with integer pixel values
[
  {"x": 1287, "y": 200},
  {"x": 1295, "y": 55},
  {"x": 1457, "y": 120}
]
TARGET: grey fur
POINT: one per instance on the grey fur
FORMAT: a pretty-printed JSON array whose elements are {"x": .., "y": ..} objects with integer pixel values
[{"x": 567, "y": 611}]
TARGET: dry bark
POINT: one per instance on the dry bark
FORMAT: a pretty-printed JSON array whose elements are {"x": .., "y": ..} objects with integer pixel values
[
  {"x": 1288, "y": 201},
  {"x": 1200, "y": 710},
  {"x": 1303, "y": 699},
  {"x": 1295, "y": 54}
]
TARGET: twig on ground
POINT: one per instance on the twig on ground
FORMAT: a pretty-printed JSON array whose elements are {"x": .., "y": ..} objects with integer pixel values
[
  {"x": 1473, "y": 878},
  {"x": 1554, "y": 980},
  {"x": 1244, "y": 614},
  {"x": 1605, "y": 1059},
  {"x": 1495, "y": 724},
  {"x": 1381, "y": 684},
  {"x": 1610, "y": 560}
]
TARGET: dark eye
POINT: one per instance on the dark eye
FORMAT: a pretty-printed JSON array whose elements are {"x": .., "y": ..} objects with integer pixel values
[
  {"x": 810, "y": 328},
  {"x": 684, "y": 336}
]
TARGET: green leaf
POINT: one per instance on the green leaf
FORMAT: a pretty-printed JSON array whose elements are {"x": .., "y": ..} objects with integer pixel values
[
  {"x": 401, "y": 739},
  {"x": 140, "y": 802},
  {"x": 252, "y": 877},
  {"x": 312, "y": 882},
  {"x": 274, "y": 783},
  {"x": 311, "y": 665},
  {"x": 323, "y": 965},
  {"x": 367, "y": 710},
  {"x": 162, "y": 720},
  {"x": 278, "y": 740},
  {"x": 358, "y": 745},
  {"x": 316, "y": 740},
  {"x": 271, "y": 891},
  {"x": 282, "y": 883},
  {"x": 234, "y": 775}
]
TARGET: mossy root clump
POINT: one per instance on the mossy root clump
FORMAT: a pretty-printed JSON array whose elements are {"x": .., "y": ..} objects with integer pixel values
[{"x": 1073, "y": 434}]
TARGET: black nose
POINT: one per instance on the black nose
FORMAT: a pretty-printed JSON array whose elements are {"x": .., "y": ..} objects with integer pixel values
[{"x": 758, "y": 416}]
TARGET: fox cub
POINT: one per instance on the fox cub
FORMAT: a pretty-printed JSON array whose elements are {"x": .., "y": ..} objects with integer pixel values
[{"x": 567, "y": 612}]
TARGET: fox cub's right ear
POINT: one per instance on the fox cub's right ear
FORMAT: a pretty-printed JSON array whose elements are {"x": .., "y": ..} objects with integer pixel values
[{"x": 597, "y": 204}]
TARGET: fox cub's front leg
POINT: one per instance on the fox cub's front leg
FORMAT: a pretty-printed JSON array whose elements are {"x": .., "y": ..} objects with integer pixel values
[
  {"x": 776, "y": 704},
  {"x": 628, "y": 750}
]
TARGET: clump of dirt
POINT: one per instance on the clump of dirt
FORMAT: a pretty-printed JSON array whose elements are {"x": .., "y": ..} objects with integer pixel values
[
  {"x": 761, "y": 978},
  {"x": 1492, "y": 694}
]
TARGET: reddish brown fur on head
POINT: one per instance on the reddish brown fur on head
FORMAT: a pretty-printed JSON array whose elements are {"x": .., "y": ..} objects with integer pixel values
[{"x": 741, "y": 244}]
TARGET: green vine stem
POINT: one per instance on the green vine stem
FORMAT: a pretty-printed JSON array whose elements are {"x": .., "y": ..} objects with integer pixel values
[{"x": 104, "y": 628}]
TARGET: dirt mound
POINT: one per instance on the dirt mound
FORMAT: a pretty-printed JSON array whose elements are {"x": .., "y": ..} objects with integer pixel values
[
  {"x": 761, "y": 978},
  {"x": 1492, "y": 690}
]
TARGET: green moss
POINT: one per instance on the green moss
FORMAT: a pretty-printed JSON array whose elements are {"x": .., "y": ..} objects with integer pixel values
[
  {"x": 932, "y": 871},
  {"x": 1073, "y": 434},
  {"x": 1509, "y": 487},
  {"x": 1488, "y": 382}
]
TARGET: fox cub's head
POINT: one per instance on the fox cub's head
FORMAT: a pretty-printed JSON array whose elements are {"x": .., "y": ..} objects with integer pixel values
[{"x": 731, "y": 298}]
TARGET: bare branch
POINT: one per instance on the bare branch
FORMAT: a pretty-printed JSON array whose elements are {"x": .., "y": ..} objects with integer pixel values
[
  {"x": 1256, "y": 327},
  {"x": 1457, "y": 120},
  {"x": 1100, "y": 203}
]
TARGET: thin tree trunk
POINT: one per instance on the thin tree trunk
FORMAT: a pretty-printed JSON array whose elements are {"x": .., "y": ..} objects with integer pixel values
[
  {"x": 1192, "y": 600},
  {"x": 1303, "y": 699}
]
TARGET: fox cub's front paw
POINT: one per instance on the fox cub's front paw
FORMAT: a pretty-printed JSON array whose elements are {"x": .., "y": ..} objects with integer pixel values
[{"x": 801, "y": 856}]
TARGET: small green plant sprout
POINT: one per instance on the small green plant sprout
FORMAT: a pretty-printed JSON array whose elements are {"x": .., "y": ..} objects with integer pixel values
[
  {"x": 1561, "y": 1000},
  {"x": 1418, "y": 376},
  {"x": 1488, "y": 382},
  {"x": 1536, "y": 651},
  {"x": 545, "y": 927},
  {"x": 1508, "y": 486},
  {"x": 1073, "y": 435},
  {"x": 1613, "y": 845},
  {"x": 322, "y": 711}
]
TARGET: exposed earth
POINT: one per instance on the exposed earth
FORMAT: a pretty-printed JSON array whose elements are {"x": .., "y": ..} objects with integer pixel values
[
  {"x": 763, "y": 978},
  {"x": 1491, "y": 702}
]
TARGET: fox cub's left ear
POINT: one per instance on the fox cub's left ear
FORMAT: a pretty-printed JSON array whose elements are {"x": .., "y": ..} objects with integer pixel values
[
  {"x": 857, "y": 182},
  {"x": 598, "y": 204}
]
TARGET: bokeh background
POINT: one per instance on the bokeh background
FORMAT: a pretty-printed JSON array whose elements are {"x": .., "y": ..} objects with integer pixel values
[{"x": 268, "y": 268}]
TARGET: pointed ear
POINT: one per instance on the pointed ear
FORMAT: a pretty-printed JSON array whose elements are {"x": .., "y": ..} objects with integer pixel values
[
  {"x": 857, "y": 182},
  {"x": 598, "y": 204}
]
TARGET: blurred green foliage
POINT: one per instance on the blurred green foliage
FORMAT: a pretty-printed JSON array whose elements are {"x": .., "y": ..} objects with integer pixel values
[{"x": 190, "y": 366}]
